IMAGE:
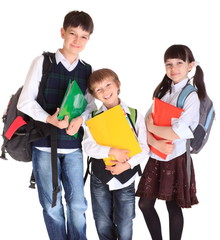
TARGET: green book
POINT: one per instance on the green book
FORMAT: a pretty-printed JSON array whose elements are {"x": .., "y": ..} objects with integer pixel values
[{"x": 74, "y": 102}]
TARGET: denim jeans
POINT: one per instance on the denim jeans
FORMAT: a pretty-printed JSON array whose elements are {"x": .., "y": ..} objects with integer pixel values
[
  {"x": 61, "y": 226},
  {"x": 113, "y": 211}
]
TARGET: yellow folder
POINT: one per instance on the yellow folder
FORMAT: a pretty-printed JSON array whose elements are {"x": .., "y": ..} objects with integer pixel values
[{"x": 113, "y": 128}]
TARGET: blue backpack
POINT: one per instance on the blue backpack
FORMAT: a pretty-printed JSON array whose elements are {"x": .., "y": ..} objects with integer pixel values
[
  {"x": 206, "y": 117},
  {"x": 202, "y": 131}
]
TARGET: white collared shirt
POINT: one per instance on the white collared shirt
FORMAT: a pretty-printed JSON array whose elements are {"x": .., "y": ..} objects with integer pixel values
[
  {"x": 188, "y": 120},
  {"x": 95, "y": 150},
  {"x": 27, "y": 102}
]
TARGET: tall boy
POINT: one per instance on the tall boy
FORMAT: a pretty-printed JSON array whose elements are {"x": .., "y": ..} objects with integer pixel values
[{"x": 76, "y": 31}]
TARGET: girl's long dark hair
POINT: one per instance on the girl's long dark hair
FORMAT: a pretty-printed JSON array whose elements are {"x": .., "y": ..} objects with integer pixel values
[{"x": 184, "y": 53}]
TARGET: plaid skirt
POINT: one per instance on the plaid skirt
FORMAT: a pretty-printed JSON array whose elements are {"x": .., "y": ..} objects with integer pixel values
[{"x": 168, "y": 181}]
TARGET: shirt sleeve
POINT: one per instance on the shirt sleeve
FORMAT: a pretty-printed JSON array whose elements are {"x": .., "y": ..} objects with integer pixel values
[
  {"x": 93, "y": 149},
  {"x": 27, "y": 101},
  {"x": 142, "y": 139},
  {"x": 189, "y": 119},
  {"x": 91, "y": 106}
]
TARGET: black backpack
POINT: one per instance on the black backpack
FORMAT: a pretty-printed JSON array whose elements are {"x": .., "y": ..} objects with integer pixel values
[{"x": 20, "y": 130}]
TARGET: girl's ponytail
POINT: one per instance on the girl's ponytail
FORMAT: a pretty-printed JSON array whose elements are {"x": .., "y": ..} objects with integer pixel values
[
  {"x": 163, "y": 87},
  {"x": 198, "y": 81}
]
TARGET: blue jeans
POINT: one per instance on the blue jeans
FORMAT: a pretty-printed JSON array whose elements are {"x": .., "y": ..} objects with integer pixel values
[
  {"x": 113, "y": 211},
  {"x": 70, "y": 177}
]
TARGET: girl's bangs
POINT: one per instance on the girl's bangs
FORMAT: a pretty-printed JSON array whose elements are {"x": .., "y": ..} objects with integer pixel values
[{"x": 175, "y": 52}]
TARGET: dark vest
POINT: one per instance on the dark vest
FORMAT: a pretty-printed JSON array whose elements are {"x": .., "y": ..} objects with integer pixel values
[
  {"x": 98, "y": 169},
  {"x": 57, "y": 83}
]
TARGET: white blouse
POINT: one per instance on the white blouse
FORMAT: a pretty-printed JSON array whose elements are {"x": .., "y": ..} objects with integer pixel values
[{"x": 188, "y": 120}]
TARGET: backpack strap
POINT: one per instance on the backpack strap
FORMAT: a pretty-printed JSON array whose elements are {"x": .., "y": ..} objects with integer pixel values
[
  {"x": 133, "y": 117},
  {"x": 32, "y": 181},
  {"x": 94, "y": 113},
  {"x": 89, "y": 160},
  {"x": 53, "y": 140},
  {"x": 189, "y": 88},
  {"x": 49, "y": 60},
  {"x": 88, "y": 172},
  {"x": 186, "y": 91},
  {"x": 3, "y": 150}
]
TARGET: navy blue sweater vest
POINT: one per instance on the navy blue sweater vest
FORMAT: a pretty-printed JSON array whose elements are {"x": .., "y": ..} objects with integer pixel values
[{"x": 57, "y": 82}]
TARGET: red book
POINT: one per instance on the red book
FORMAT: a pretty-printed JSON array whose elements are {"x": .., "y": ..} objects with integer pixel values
[{"x": 162, "y": 115}]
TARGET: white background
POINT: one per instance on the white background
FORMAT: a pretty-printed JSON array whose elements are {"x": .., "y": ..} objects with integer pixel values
[{"x": 130, "y": 37}]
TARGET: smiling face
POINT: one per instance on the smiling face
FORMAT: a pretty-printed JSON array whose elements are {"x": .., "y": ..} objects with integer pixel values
[
  {"x": 107, "y": 91},
  {"x": 75, "y": 40},
  {"x": 177, "y": 70}
]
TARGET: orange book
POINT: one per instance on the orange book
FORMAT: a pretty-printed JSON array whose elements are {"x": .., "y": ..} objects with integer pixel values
[{"x": 162, "y": 115}]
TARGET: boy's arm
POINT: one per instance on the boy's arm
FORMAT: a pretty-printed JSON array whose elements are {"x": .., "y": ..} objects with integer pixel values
[
  {"x": 95, "y": 150},
  {"x": 118, "y": 168},
  {"x": 91, "y": 106},
  {"x": 27, "y": 101},
  {"x": 77, "y": 122},
  {"x": 138, "y": 158},
  {"x": 141, "y": 137}
]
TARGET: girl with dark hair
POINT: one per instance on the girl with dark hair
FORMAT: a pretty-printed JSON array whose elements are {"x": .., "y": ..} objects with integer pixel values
[{"x": 167, "y": 179}]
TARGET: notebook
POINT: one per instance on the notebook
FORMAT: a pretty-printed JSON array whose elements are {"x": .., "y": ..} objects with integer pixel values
[
  {"x": 112, "y": 128},
  {"x": 74, "y": 102},
  {"x": 162, "y": 115}
]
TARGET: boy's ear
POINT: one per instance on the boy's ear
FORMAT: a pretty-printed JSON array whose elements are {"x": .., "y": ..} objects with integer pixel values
[{"x": 62, "y": 32}]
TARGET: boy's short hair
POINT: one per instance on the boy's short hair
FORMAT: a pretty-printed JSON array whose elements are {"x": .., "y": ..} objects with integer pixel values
[
  {"x": 78, "y": 18},
  {"x": 100, "y": 75}
]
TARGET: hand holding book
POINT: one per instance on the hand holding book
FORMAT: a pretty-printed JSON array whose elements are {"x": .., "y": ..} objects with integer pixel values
[
  {"x": 73, "y": 104},
  {"x": 163, "y": 145},
  {"x": 162, "y": 115},
  {"x": 120, "y": 154},
  {"x": 111, "y": 128}
]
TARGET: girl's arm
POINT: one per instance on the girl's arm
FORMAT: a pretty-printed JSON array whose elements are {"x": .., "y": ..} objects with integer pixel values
[
  {"x": 161, "y": 131},
  {"x": 181, "y": 127},
  {"x": 164, "y": 146}
]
